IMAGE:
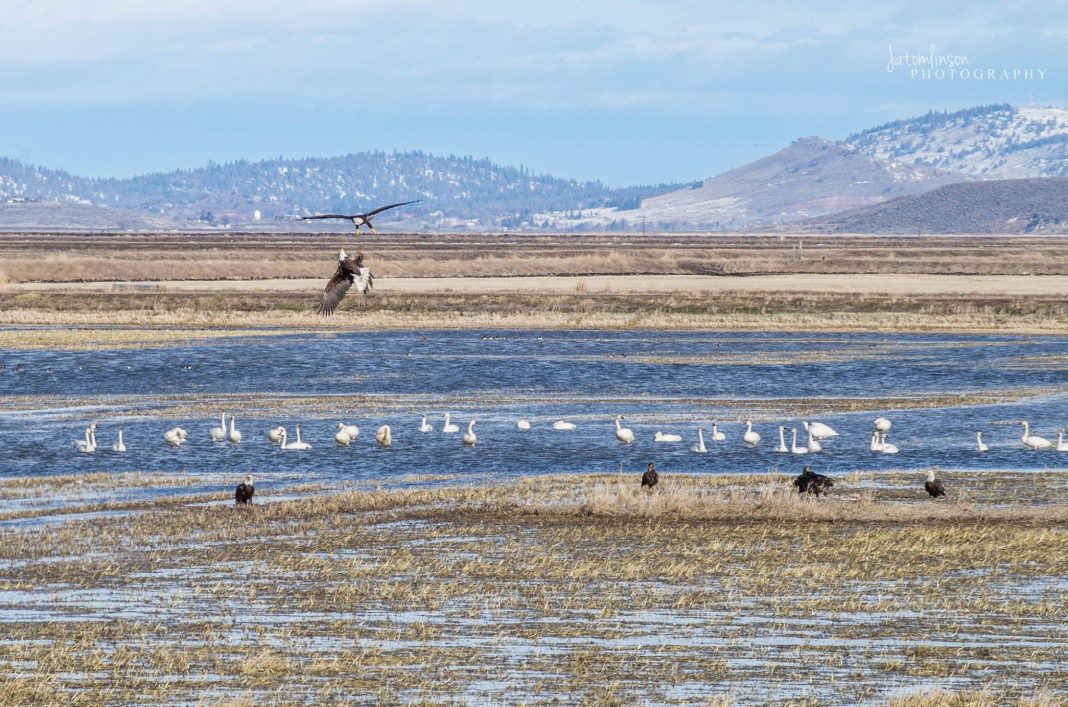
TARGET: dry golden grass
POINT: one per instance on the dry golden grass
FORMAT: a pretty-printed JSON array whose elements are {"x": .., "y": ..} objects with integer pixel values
[{"x": 579, "y": 589}]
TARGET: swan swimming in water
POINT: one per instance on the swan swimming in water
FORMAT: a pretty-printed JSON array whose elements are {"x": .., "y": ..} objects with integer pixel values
[
  {"x": 342, "y": 437},
  {"x": 876, "y": 445},
  {"x": 218, "y": 434},
  {"x": 818, "y": 430},
  {"x": 448, "y": 427},
  {"x": 661, "y": 437},
  {"x": 1033, "y": 441},
  {"x": 717, "y": 436},
  {"x": 885, "y": 447},
  {"x": 1062, "y": 446},
  {"x": 563, "y": 425},
  {"x": 793, "y": 444},
  {"x": 87, "y": 444},
  {"x": 233, "y": 435},
  {"x": 813, "y": 443},
  {"x": 425, "y": 426},
  {"x": 523, "y": 425},
  {"x": 699, "y": 448},
  {"x": 299, "y": 445},
  {"x": 980, "y": 445},
  {"x": 119, "y": 446},
  {"x": 174, "y": 436},
  {"x": 275, "y": 435},
  {"x": 623, "y": 434},
  {"x": 384, "y": 436},
  {"x": 782, "y": 440},
  {"x": 351, "y": 430},
  {"x": 882, "y": 424},
  {"x": 750, "y": 437},
  {"x": 469, "y": 436}
]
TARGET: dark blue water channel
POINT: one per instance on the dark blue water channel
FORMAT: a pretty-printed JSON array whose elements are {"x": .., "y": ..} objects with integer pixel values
[{"x": 659, "y": 381}]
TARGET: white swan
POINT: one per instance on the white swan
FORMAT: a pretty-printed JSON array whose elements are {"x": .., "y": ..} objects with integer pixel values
[
  {"x": 699, "y": 448},
  {"x": 793, "y": 444},
  {"x": 876, "y": 445},
  {"x": 233, "y": 435},
  {"x": 218, "y": 434},
  {"x": 342, "y": 437},
  {"x": 448, "y": 427},
  {"x": 563, "y": 425},
  {"x": 425, "y": 426},
  {"x": 86, "y": 445},
  {"x": 818, "y": 430},
  {"x": 813, "y": 443},
  {"x": 351, "y": 430},
  {"x": 1062, "y": 446},
  {"x": 882, "y": 424},
  {"x": 980, "y": 445},
  {"x": 469, "y": 436},
  {"x": 885, "y": 447},
  {"x": 523, "y": 425},
  {"x": 298, "y": 445},
  {"x": 119, "y": 446},
  {"x": 384, "y": 436},
  {"x": 275, "y": 435},
  {"x": 1033, "y": 441},
  {"x": 750, "y": 437},
  {"x": 661, "y": 437},
  {"x": 623, "y": 434},
  {"x": 782, "y": 440},
  {"x": 717, "y": 436},
  {"x": 174, "y": 436}
]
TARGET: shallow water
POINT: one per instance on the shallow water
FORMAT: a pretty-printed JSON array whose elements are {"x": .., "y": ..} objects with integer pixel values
[{"x": 659, "y": 381}]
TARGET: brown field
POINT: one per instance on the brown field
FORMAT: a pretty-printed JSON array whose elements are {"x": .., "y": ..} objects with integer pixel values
[
  {"x": 676, "y": 281},
  {"x": 577, "y": 589}
]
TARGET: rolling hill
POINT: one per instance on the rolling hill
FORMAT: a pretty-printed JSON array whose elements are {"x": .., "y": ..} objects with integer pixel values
[{"x": 1038, "y": 205}]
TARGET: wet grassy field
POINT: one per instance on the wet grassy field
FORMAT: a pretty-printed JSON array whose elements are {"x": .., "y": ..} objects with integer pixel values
[{"x": 581, "y": 589}]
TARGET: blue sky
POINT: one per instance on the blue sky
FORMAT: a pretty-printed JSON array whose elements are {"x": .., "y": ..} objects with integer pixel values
[{"x": 623, "y": 91}]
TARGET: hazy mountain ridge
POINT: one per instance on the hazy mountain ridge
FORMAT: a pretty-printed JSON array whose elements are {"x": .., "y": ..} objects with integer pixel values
[
  {"x": 454, "y": 191},
  {"x": 992, "y": 142}
]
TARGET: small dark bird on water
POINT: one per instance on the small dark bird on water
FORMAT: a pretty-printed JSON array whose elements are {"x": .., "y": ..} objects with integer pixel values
[
  {"x": 650, "y": 478},
  {"x": 350, "y": 271},
  {"x": 934, "y": 486},
  {"x": 815, "y": 484},
  {"x": 359, "y": 219},
  {"x": 244, "y": 491}
]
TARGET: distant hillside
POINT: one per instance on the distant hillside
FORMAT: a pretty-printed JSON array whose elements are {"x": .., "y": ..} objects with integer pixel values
[
  {"x": 812, "y": 176},
  {"x": 1001, "y": 206},
  {"x": 20, "y": 215},
  {"x": 991, "y": 142},
  {"x": 455, "y": 192}
]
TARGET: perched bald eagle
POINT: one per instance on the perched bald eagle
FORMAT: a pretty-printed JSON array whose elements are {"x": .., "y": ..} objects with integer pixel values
[
  {"x": 810, "y": 482},
  {"x": 244, "y": 491},
  {"x": 650, "y": 478},
  {"x": 934, "y": 486},
  {"x": 350, "y": 271},
  {"x": 359, "y": 219}
]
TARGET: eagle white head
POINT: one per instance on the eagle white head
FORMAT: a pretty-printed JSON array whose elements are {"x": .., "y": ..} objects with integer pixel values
[
  {"x": 930, "y": 476},
  {"x": 342, "y": 255},
  {"x": 248, "y": 479}
]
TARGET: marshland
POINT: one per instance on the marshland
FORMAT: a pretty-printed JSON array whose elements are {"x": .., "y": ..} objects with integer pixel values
[{"x": 532, "y": 567}]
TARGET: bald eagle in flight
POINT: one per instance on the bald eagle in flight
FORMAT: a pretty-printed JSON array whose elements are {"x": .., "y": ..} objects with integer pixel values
[
  {"x": 350, "y": 271},
  {"x": 359, "y": 219}
]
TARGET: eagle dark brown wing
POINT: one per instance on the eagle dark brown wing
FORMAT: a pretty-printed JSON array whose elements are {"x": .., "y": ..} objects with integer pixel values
[
  {"x": 380, "y": 209},
  {"x": 344, "y": 216},
  {"x": 337, "y": 287}
]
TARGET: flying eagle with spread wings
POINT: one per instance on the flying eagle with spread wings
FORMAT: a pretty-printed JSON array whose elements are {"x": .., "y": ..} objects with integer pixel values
[
  {"x": 359, "y": 219},
  {"x": 350, "y": 271}
]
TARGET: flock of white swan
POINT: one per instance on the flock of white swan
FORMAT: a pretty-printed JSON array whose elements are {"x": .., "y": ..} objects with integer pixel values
[{"x": 816, "y": 433}]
